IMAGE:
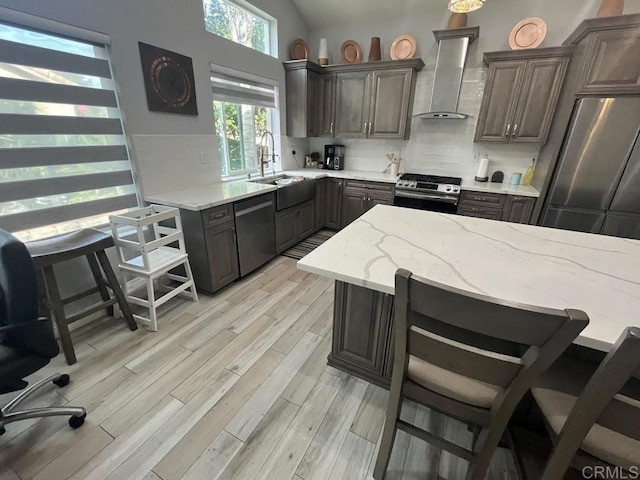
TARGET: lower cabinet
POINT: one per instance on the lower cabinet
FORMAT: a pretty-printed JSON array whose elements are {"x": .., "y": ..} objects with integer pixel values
[
  {"x": 333, "y": 203},
  {"x": 359, "y": 197},
  {"x": 294, "y": 224},
  {"x": 354, "y": 204},
  {"x": 210, "y": 239},
  {"x": 321, "y": 195},
  {"x": 362, "y": 332},
  {"x": 222, "y": 254},
  {"x": 495, "y": 206},
  {"x": 518, "y": 209}
]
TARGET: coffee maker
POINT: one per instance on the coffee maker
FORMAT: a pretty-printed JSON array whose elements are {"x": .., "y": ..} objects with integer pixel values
[{"x": 334, "y": 157}]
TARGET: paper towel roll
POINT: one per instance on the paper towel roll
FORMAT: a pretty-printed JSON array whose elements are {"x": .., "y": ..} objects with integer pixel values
[{"x": 483, "y": 169}]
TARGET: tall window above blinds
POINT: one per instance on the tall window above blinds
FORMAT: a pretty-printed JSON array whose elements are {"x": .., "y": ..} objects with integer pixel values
[
  {"x": 243, "y": 110},
  {"x": 241, "y": 22},
  {"x": 64, "y": 162}
]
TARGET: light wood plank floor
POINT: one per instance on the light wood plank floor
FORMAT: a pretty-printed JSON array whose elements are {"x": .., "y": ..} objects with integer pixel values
[{"x": 233, "y": 387}]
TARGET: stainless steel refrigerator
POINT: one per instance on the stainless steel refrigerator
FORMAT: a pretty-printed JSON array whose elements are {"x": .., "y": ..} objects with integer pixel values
[{"x": 596, "y": 185}]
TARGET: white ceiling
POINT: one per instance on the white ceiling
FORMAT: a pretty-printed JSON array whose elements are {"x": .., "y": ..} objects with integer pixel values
[{"x": 324, "y": 13}]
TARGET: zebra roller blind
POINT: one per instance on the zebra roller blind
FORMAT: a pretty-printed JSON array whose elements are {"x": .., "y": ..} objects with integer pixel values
[{"x": 64, "y": 162}]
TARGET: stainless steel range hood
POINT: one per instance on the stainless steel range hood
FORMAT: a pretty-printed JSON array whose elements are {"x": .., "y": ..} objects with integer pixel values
[{"x": 447, "y": 80}]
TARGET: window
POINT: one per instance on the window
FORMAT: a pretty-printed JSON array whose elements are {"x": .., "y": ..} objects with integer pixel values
[
  {"x": 64, "y": 162},
  {"x": 248, "y": 27},
  {"x": 243, "y": 110}
]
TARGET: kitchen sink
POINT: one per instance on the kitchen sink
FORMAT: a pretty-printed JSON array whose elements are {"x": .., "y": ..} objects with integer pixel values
[{"x": 290, "y": 194}]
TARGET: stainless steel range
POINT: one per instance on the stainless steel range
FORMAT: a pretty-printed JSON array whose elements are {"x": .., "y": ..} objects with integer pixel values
[{"x": 428, "y": 192}]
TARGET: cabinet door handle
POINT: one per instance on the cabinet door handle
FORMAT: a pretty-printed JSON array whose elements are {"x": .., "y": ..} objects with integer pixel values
[
  {"x": 369, "y": 133},
  {"x": 515, "y": 128},
  {"x": 508, "y": 130},
  {"x": 331, "y": 129}
]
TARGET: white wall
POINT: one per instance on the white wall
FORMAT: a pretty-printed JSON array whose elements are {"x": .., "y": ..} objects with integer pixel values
[
  {"x": 446, "y": 146},
  {"x": 167, "y": 147},
  {"x": 161, "y": 141}
]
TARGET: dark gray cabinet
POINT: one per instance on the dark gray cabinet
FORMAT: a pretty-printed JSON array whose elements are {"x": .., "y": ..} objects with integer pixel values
[
  {"x": 521, "y": 94},
  {"x": 353, "y": 98},
  {"x": 612, "y": 65},
  {"x": 354, "y": 204},
  {"x": 518, "y": 209},
  {"x": 210, "y": 239},
  {"x": 222, "y": 254},
  {"x": 286, "y": 235},
  {"x": 294, "y": 224},
  {"x": 494, "y": 206},
  {"x": 321, "y": 194},
  {"x": 333, "y": 203},
  {"x": 326, "y": 105},
  {"x": 391, "y": 98},
  {"x": 499, "y": 101},
  {"x": 361, "y": 332},
  {"x": 367, "y": 100},
  {"x": 302, "y": 88},
  {"x": 359, "y": 197}
]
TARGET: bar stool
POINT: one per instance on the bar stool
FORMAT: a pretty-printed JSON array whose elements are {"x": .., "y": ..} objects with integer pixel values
[{"x": 90, "y": 243}]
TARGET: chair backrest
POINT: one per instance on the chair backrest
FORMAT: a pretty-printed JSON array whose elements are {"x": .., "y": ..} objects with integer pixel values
[
  {"x": 18, "y": 284},
  {"x": 611, "y": 399},
  {"x": 483, "y": 338}
]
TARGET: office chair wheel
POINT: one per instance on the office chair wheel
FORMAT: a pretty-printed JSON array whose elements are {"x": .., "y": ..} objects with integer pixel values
[
  {"x": 77, "y": 422},
  {"x": 63, "y": 381}
]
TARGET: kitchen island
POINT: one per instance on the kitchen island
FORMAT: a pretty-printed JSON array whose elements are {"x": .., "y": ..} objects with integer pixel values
[{"x": 519, "y": 263}]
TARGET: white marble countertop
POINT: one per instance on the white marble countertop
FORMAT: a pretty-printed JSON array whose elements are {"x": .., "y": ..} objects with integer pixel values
[
  {"x": 502, "y": 188},
  {"x": 200, "y": 198},
  {"x": 521, "y": 263}
]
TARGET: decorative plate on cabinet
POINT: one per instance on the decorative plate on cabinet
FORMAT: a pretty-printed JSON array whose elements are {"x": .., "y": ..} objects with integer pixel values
[
  {"x": 528, "y": 33},
  {"x": 351, "y": 52},
  {"x": 299, "y": 50},
  {"x": 403, "y": 47}
]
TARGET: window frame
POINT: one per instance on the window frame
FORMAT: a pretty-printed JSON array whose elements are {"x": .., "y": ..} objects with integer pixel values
[
  {"x": 274, "y": 117},
  {"x": 271, "y": 32}
]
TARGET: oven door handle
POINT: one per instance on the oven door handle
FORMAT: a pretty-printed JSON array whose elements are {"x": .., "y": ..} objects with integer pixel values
[{"x": 425, "y": 196}]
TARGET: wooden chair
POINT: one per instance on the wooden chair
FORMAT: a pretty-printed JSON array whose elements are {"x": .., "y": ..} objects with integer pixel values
[
  {"x": 470, "y": 357},
  {"x": 594, "y": 417}
]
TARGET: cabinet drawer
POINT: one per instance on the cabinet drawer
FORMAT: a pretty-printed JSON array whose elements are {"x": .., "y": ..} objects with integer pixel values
[
  {"x": 480, "y": 212},
  {"x": 487, "y": 199},
  {"x": 383, "y": 187},
  {"x": 217, "y": 215}
]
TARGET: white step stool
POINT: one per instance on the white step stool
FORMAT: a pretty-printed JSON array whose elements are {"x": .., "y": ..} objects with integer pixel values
[{"x": 152, "y": 256}]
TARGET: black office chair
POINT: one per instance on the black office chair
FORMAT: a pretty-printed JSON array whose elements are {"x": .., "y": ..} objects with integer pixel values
[{"x": 27, "y": 342}]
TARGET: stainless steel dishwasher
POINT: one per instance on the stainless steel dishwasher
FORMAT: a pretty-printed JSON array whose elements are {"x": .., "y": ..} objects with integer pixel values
[{"x": 255, "y": 230}]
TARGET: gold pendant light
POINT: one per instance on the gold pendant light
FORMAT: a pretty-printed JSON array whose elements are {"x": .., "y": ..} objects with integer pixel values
[{"x": 465, "y": 6}]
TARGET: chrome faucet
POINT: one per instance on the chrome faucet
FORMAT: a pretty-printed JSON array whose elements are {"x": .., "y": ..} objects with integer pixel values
[{"x": 263, "y": 151}]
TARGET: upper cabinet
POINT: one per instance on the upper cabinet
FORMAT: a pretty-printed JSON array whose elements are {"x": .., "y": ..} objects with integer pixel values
[
  {"x": 353, "y": 93},
  {"x": 302, "y": 109},
  {"x": 612, "y": 62},
  {"x": 521, "y": 94},
  {"x": 368, "y": 100},
  {"x": 326, "y": 105}
]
